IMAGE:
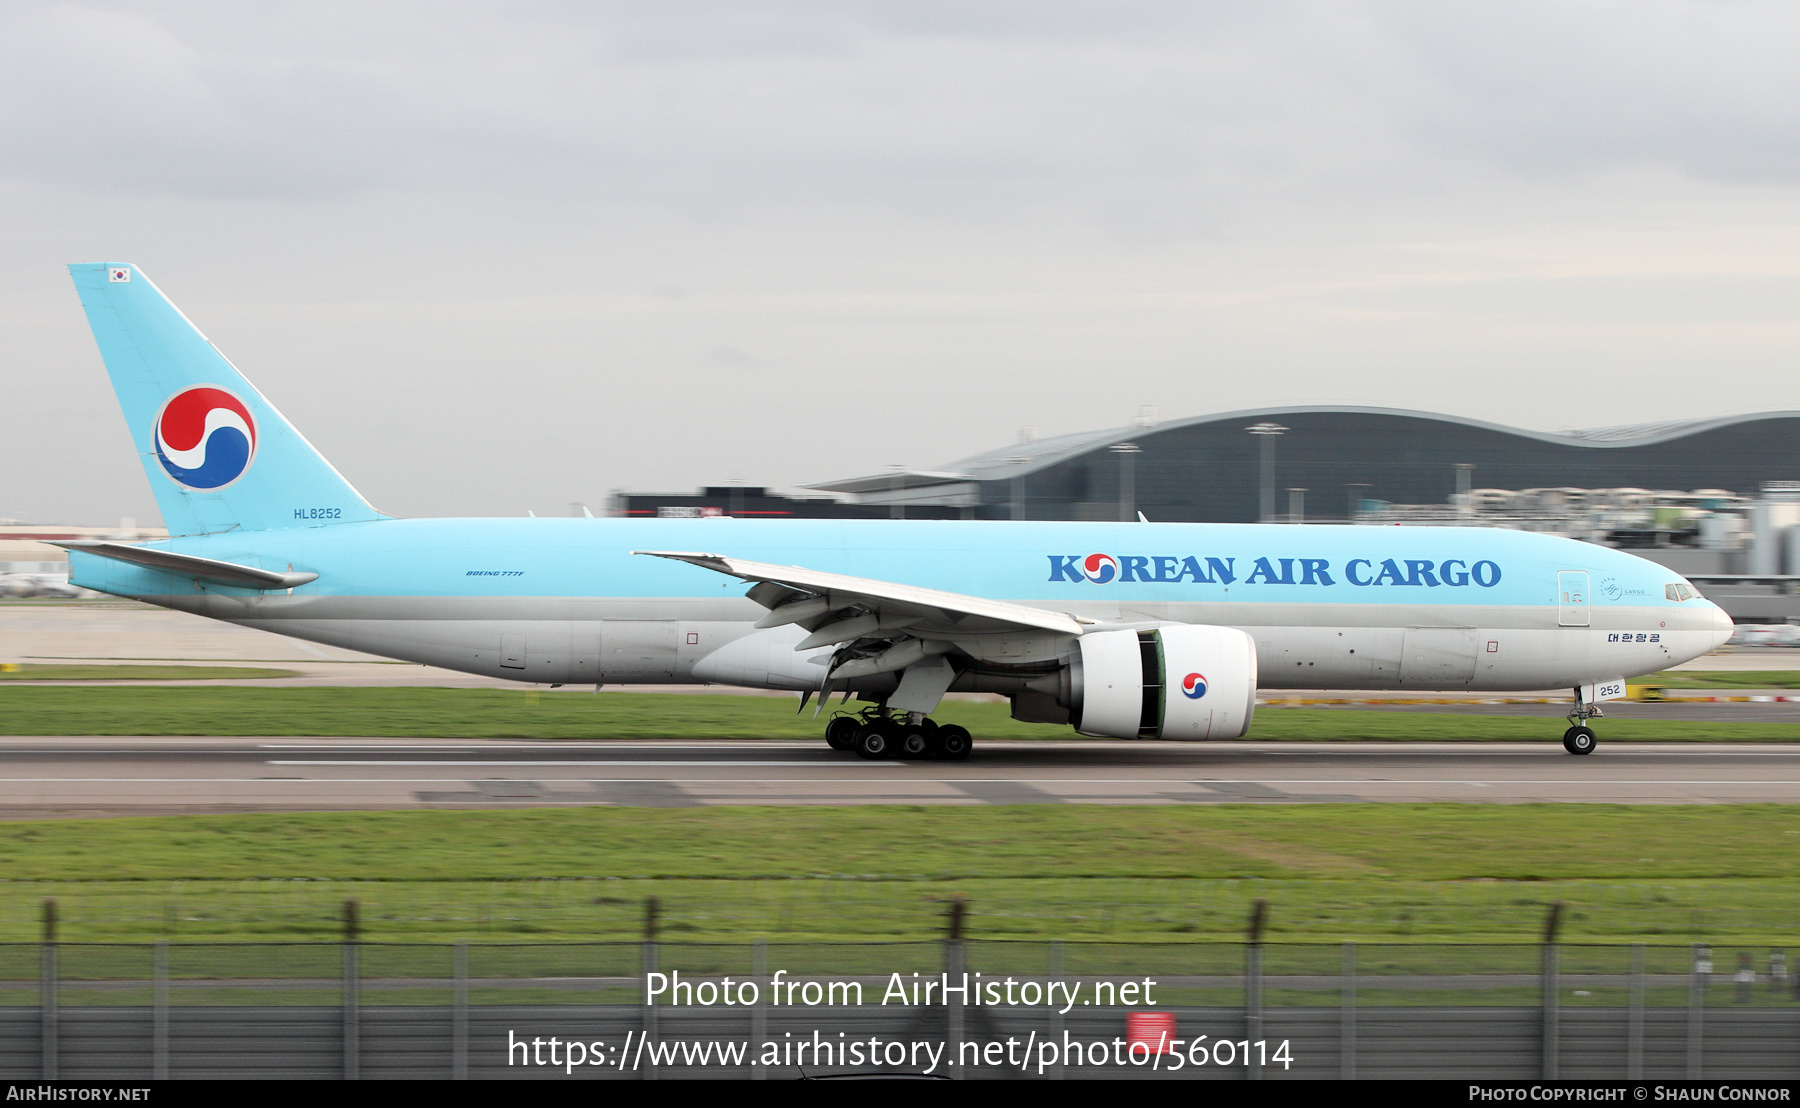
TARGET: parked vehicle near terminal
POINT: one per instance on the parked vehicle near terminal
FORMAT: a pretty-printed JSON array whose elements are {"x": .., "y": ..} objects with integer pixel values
[
  {"x": 32, "y": 585},
  {"x": 1765, "y": 634}
]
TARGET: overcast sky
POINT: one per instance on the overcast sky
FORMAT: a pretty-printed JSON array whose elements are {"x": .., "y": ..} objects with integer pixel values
[{"x": 499, "y": 257}]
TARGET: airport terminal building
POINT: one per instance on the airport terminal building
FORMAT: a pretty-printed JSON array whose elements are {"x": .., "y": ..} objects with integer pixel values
[
  {"x": 1717, "y": 500},
  {"x": 1211, "y": 468}
]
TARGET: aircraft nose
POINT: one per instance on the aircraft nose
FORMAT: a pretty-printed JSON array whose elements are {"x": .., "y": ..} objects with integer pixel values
[{"x": 1720, "y": 625}]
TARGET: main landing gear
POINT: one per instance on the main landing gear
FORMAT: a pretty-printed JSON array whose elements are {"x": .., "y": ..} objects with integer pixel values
[
  {"x": 1579, "y": 738},
  {"x": 880, "y": 733}
]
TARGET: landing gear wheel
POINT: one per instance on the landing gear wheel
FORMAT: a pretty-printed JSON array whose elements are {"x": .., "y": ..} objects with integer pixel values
[
  {"x": 1579, "y": 740},
  {"x": 874, "y": 741},
  {"x": 913, "y": 744},
  {"x": 840, "y": 733},
  {"x": 954, "y": 742}
]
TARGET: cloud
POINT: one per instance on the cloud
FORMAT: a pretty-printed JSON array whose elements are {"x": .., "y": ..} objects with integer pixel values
[
  {"x": 1709, "y": 90},
  {"x": 950, "y": 106},
  {"x": 608, "y": 243}
]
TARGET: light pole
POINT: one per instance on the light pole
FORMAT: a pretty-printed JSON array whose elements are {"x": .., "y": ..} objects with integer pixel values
[
  {"x": 1296, "y": 505},
  {"x": 1018, "y": 485},
  {"x": 1465, "y": 476},
  {"x": 1267, "y": 432},
  {"x": 1127, "y": 479},
  {"x": 896, "y": 482}
]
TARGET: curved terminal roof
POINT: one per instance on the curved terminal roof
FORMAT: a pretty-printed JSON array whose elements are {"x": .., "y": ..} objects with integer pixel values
[
  {"x": 1206, "y": 467},
  {"x": 999, "y": 464}
]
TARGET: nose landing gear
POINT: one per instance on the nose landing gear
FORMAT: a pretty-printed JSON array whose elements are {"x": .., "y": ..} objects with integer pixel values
[
  {"x": 1579, "y": 738},
  {"x": 876, "y": 733}
]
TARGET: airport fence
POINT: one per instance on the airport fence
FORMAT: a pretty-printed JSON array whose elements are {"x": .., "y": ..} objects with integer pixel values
[{"x": 352, "y": 1009}]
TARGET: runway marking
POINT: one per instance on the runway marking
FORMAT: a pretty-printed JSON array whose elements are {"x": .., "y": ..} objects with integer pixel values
[
  {"x": 1360, "y": 781},
  {"x": 1614, "y": 751},
  {"x": 583, "y": 762},
  {"x": 1064, "y": 781},
  {"x": 21, "y": 748},
  {"x": 360, "y": 744},
  {"x": 258, "y": 780}
]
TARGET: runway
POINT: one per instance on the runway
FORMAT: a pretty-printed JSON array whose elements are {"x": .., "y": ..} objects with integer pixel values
[{"x": 47, "y": 777}]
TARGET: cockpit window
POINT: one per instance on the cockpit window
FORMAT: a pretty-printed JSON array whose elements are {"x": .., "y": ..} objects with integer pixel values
[{"x": 1682, "y": 591}]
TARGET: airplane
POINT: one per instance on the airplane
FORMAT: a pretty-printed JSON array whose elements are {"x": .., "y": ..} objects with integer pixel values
[{"x": 1121, "y": 630}]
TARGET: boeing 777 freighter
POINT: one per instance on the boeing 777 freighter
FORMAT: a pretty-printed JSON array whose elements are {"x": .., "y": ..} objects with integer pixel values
[{"x": 1127, "y": 630}]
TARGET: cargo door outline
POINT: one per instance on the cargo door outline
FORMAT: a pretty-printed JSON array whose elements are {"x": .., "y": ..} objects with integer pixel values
[
  {"x": 1572, "y": 598},
  {"x": 638, "y": 649},
  {"x": 512, "y": 651},
  {"x": 1438, "y": 657}
]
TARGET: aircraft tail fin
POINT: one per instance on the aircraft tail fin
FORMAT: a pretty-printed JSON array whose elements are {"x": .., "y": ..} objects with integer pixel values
[{"x": 218, "y": 455}]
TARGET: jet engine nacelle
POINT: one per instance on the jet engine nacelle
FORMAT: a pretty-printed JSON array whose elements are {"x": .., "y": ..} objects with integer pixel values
[{"x": 1188, "y": 682}]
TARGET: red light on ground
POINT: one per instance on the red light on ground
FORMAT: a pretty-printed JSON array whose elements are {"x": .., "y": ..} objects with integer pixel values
[{"x": 1156, "y": 1030}]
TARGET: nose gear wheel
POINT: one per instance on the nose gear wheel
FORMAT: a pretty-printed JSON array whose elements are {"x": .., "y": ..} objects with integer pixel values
[{"x": 1579, "y": 740}]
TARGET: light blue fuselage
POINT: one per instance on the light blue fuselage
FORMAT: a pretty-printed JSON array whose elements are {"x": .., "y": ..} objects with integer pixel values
[{"x": 565, "y": 600}]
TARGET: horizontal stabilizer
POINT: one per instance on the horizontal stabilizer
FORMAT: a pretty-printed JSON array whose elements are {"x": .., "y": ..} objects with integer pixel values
[{"x": 187, "y": 565}]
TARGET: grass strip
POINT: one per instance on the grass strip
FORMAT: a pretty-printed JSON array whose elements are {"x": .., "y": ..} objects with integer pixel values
[
  {"x": 1112, "y": 909},
  {"x": 1387, "y": 872},
  {"x": 1327, "y": 841},
  {"x": 528, "y": 714},
  {"x": 32, "y": 671},
  {"x": 1723, "y": 679}
]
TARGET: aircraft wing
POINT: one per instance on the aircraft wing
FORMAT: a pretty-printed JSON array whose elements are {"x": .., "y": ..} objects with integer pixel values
[
  {"x": 838, "y": 608},
  {"x": 189, "y": 565}
]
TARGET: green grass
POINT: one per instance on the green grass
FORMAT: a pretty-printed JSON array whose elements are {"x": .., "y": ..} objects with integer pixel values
[
  {"x": 1723, "y": 679},
  {"x": 31, "y": 671},
  {"x": 528, "y": 714},
  {"x": 439, "y": 713},
  {"x": 1543, "y": 723},
  {"x": 1370, "y": 872},
  {"x": 1425, "y": 842},
  {"x": 816, "y": 909}
]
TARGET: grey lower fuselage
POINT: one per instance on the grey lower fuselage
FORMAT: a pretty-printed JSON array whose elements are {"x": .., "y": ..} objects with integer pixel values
[{"x": 599, "y": 640}]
